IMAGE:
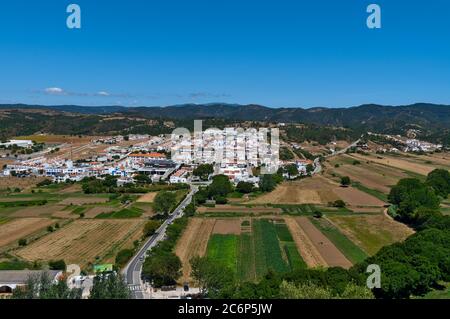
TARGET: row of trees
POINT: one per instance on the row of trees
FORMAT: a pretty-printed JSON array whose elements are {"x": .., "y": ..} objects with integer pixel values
[{"x": 105, "y": 286}]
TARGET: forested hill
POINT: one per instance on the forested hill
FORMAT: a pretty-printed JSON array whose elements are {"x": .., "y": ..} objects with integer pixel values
[
  {"x": 429, "y": 119},
  {"x": 370, "y": 115}
]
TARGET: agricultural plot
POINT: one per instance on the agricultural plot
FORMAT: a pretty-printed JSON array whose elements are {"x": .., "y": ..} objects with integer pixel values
[
  {"x": 147, "y": 198},
  {"x": 315, "y": 190},
  {"x": 84, "y": 242},
  {"x": 396, "y": 162},
  {"x": 371, "y": 232},
  {"x": 330, "y": 254},
  {"x": 15, "y": 229},
  {"x": 345, "y": 245},
  {"x": 268, "y": 244},
  {"x": 193, "y": 242},
  {"x": 239, "y": 209},
  {"x": 355, "y": 197}
]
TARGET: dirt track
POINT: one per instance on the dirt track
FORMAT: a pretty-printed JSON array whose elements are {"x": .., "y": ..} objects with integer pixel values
[
  {"x": 307, "y": 250},
  {"x": 329, "y": 252}
]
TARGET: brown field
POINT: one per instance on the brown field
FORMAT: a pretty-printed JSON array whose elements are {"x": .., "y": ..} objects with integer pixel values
[
  {"x": 396, "y": 162},
  {"x": 38, "y": 211},
  {"x": 315, "y": 190},
  {"x": 22, "y": 183},
  {"x": 355, "y": 197},
  {"x": 94, "y": 211},
  {"x": 193, "y": 242},
  {"x": 370, "y": 175},
  {"x": 307, "y": 250},
  {"x": 371, "y": 232},
  {"x": 227, "y": 226},
  {"x": 147, "y": 198},
  {"x": 239, "y": 209},
  {"x": 332, "y": 256},
  {"x": 70, "y": 189},
  {"x": 56, "y": 138},
  {"x": 21, "y": 228},
  {"x": 84, "y": 200},
  {"x": 82, "y": 241}
]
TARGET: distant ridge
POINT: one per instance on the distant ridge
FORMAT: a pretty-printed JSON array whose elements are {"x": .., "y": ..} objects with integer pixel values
[{"x": 367, "y": 115}]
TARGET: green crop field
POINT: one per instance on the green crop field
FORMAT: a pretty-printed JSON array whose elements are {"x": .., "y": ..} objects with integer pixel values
[
  {"x": 223, "y": 250},
  {"x": 251, "y": 255},
  {"x": 350, "y": 250}
]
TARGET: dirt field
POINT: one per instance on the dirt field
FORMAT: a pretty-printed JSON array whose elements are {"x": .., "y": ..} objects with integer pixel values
[
  {"x": 82, "y": 241},
  {"x": 371, "y": 232},
  {"x": 38, "y": 211},
  {"x": 227, "y": 226},
  {"x": 328, "y": 251},
  {"x": 239, "y": 209},
  {"x": 147, "y": 198},
  {"x": 397, "y": 163},
  {"x": 193, "y": 242},
  {"x": 355, "y": 197},
  {"x": 22, "y": 183},
  {"x": 369, "y": 176},
  {"x": 84, "y": 200},
  {"x": 20, "y": 228},
  {"x": 307, "y": 250},
  {"x": 93, "y": 212},
  {"x": 315, "y": 190}
]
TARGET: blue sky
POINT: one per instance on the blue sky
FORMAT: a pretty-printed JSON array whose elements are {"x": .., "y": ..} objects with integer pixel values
[{"x": 276, "y": 53}]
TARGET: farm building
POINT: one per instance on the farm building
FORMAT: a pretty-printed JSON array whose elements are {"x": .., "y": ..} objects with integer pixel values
[{"x": 11, "y": 279}]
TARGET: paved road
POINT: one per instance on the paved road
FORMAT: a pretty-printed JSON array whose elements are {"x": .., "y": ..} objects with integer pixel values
[
  {"x": 132, "y": 272},
  {"x": 318, "y": 166}
]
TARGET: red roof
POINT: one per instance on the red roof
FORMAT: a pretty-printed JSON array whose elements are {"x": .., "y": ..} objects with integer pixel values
[{"x": 148, "y": 155}]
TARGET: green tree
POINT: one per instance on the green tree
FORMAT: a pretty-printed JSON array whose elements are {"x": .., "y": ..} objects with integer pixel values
[
  {"x": 41, "y": 286},
  {"x": 345, "y": 181},
  {"x": 267, "y": 183},
  {"x": 190, "y": 210},
  {"x": 57, "y": 265},
  {"x": 244, "y": 187},
  {"x": 212, "y": 278},
  {"x": 292, "y": 170},
  {"x": 221, "y": 186},
  {"x": 164, "y": 202},
  {"x": 439, "y": 180},
  {"x": 123, "y": 257},
  {"x": 151, "y": 227},
  {"x": 203, "y": 171},
  {"x": 162, "y": 268},
  {"x": 109, "y": 286}
]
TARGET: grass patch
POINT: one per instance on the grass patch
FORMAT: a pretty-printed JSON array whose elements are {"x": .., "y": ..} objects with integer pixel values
[
  {"x": 350, "y": 250},
  {"x": 223, "y": 250},
  {"x": 14, "y": 265},
  {"x": 375, "y": 193},
  {"x": 296, "y": 262}
]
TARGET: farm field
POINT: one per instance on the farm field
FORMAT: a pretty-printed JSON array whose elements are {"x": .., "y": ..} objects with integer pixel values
[
  {"x": 350, "y": 250},
  {"x": 84, "y": 242},
  {"x": 193, "y": 242},
  {"x": 371, "y": 175},
  {"x": 355, "y": 197},
  {"x": 147, "y": 198},
  {"x": 239, "y": 209},
  {"x": 396, "y": 162},
  {"x": 248, "y": 246},
  {"x": 315, "y": 190},
  {"x": 371, "y": 232},
  {"x": 328, "y": 251},
  {"x": 15, "y": 229}
]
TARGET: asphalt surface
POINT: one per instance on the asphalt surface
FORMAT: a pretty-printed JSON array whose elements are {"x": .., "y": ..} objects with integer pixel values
[{"x": 132, "y": 272}]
